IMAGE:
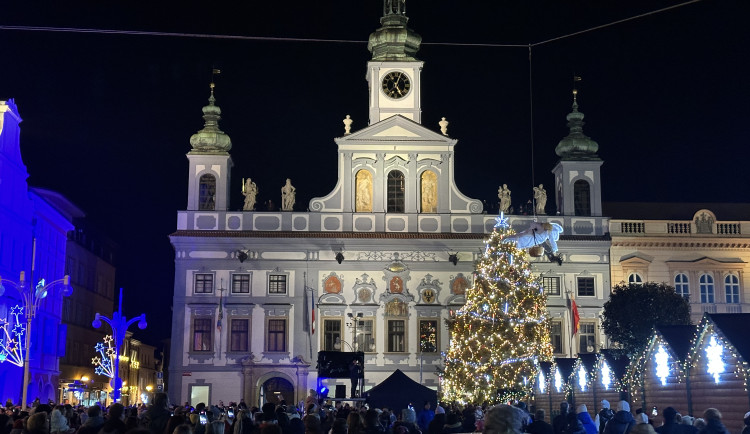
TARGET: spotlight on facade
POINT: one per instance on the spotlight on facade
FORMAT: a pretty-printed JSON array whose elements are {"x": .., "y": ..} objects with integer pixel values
[
  {"x": 453, "y": 258},
  {"x": 339, "y": 257},
  {"x": 242, "y": 256}
]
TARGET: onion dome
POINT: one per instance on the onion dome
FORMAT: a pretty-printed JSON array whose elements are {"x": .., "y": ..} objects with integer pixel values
[
  {"x": 211, "y": 140},
  {"x": 576, "y": 146},
  {"x": 394, "y": 41}
]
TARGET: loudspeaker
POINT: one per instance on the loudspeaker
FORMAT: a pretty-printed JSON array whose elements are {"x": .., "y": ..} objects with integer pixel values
[{"x": 340, "y": 391}]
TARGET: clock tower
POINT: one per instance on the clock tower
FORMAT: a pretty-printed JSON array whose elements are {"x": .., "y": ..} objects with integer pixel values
[{"x": 393, "y": 74}]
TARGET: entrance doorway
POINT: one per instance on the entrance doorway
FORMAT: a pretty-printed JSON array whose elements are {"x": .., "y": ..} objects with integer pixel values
[{"x": 275, "y": 389}]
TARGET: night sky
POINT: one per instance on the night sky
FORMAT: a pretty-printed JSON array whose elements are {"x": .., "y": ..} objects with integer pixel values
[{"x": 108, "y": 116}]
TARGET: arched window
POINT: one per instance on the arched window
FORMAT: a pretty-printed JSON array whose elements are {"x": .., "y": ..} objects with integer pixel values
[
  {"x": 207, "y": 192},
  {"x": 635, "y": 278},
  {"x": 582, "y": 198},
  {"x": 681, "y": 286},
  {"x": 363, "y": 198},
  {"x": 732, "y": 288},
  {"x": 429, "y": 191},
  {"x": 396, "y": 194},
  {"x": 706, "y": 283}
]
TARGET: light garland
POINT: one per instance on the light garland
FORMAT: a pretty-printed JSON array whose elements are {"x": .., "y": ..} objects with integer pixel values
[{"x": 12, "y": 337}]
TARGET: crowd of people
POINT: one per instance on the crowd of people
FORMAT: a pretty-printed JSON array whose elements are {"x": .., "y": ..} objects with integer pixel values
[{"x": 312, "y": 416}]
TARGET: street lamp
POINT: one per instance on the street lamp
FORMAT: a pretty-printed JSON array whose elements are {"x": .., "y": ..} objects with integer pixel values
[
  {"x": 119, "y": 325},
  {"x": 31, "y": 300},
  {"x": 354, "y": 323}
]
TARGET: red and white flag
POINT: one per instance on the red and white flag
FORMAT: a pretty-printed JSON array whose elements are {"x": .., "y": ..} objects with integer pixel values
[{"x": 574, "y": 315}]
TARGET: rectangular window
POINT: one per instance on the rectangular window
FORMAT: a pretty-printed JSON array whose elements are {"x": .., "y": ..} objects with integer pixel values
[
  {"x": 240, "y": 284},
  {"x": 239, "y": 335},
  {"x": 202, "y": 334},
  {"x": 276, "y": 337},
  {"x": 396, "y": 336},
  {"x": 204, "y": 283},
  {"x": 428, "y": 335},
  {"x": 587, "y": 337},
  {"x": 365, "y": 340},
  {"x": 332, "y": 335},
  {"x": 586, "y": 287},
  {"x": 551, "y": 285},
  {"x": 556, "y": 337},
  {"x": 277, "y": 283}
]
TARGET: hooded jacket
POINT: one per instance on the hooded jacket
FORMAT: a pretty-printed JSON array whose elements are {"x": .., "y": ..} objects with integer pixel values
[
  {"x": 588, "y": 424},
  {"x": 621, "y": 423}
]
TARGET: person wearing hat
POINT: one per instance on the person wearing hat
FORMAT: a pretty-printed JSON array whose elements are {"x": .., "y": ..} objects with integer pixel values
[
  {"x": 604, "y": 415},
  {"x": 622, "y": 421},
  {"x": 582, "y": 412}
]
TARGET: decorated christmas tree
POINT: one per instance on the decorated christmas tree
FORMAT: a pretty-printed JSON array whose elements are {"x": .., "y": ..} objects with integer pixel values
[{"x": 502, "y": 332}]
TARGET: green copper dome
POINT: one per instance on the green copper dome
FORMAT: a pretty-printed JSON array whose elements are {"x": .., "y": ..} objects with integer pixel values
[
  {"x": 394, "y": 41},
  {"x": 576, "y": 146},
  {"x": 210, "y": 140}
]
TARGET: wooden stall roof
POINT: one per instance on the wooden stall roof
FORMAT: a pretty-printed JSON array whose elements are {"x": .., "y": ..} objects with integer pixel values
[
  {"x": 678, "y": 338},
  {"x": 732, "y": 327},
  {"x": 589, "y": 362},
  {"x": 566, "y": 366}
]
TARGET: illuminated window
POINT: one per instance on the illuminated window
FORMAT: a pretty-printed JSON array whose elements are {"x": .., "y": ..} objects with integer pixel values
[
  {"x": 240, "y": 283},
  {"x": 239, "y": 335},
  {"x": 586, "y": 287},
  {"x": 732, "y": 288},
  {"x": 556, "y": 336},
  {"x": 202, "y": 333},
  {"x": 204, "y": 283},
  {"x": 681, "y": 286},
  {"x": 587, "y": 337},
  {"x": 606, "y": 375},
  {"x": 661, "y": 359},
  {"x": 428, "y": 335},
  {"x": 714, "y": 358},
  {"x": 277, "y": 283},
  {"x": 396, "y": 336},
  {"x": 551, "y": 285},
  {"x": 396, "y": 192},
  {"x": 365, "y": 340},
  {"x": 207, "y": 192},
  {"x": 582, "y": 378},
  {"x": 332, "y": 335},
  {"x": 582, "y": 198},
  {"x": 276, "y": 336},
  {"x": 635, "y": 278},
  {"x": 706, "y": 283}
]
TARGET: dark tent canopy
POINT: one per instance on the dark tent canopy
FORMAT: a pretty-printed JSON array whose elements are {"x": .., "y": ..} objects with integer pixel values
[{"x": 398, "y": 391}]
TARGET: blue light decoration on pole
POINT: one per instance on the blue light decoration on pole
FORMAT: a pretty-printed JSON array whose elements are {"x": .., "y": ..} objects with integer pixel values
[
  {"x": 105, "y": 362},
  {"x": 31, "y": 299},
  {"x": 119, "y": 325}
]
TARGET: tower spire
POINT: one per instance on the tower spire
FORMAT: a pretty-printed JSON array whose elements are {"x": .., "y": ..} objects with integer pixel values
[
  {"x": 394, "y": 40},
  {"x": 576, "y": 145},
  {"x": 211, "y": 140}
]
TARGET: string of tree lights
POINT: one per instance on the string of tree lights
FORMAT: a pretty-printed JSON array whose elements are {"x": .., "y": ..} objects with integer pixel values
[{"x": 502, "y": 332}]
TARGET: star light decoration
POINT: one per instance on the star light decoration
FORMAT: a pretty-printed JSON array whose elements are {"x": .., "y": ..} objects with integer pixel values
[
  {"x": 12, "y": 337},
  {"x": 105, "y": 361}
]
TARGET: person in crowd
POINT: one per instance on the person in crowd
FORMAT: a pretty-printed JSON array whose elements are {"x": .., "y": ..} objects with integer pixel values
[
  {"x": 158, "y": 413},
  {"x": 425, "y": 417},
  {"x": 573, "y": 424},
  {"x": 622, "y": 422},
  {"x": 339, "y": 426},
  {"x": 372, "y": 424},
  {"x": 641, "y": 418},
  {"x": 699, "y": 423},
  {"x": 582, "y": 412},
  {"x": 469, "y": 423},
  {"x": 452, "y": 424},
  {"x": 643, "y": 428},
  {"x": 182, "y": 429},
  {"x": 437, "y": 423},
  {"x": 312, "y": 425},
  {"x": 38, "y": 423},
  {"x": 355, "y": 423},
  {"x": 560, "y": 421},
  {"x": 217, "y": 427},
  {"x": 58, "y": 421},
  {"x": 503, "y": 419},
  {"x": 539, "y": 426},
  {"x": 670, "y": 425},
  {"x": 6, "y": 423},
  {"x": 604, "y": 415},
  {"x": 94, "y": 421},
  {"x": 746, "y": 429},
  {"x": 713, "y": 422},
  {"x": 114, "y": 423}
]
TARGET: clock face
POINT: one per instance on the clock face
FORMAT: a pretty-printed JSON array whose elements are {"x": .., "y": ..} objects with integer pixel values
[{"x": 396, "y": 84}]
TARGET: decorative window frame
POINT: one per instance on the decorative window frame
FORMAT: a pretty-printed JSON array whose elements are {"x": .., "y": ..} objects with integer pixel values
[
  {"x": 277, "y": 272},
  {"x": 195, "y": 281},
  {"x": 552, "y": 275},
  {"x": 706, "y": 285},
  {"x": 585, "y": 275},
  {"x": 250, "y": 284},
  {"x": 274, "y": 312},
  {"x": 239, "y": 311},
  {"x": 202, "y": 311},
  {"x": 685, "y": 283},
  {"x": 366, "y": 283},
  {"x": 426, "y": 285},
  {"x": 726, "y": 286}
]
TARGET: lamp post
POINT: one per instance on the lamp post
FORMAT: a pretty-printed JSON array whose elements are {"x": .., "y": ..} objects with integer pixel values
[
  {"x": 119, "y": 325},
  {"x": 31, "y": 299},
  {"x": 354, "y": 323}
]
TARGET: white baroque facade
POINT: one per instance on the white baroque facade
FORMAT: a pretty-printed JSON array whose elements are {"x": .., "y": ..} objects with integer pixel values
[{"x": 376, "y": 265}]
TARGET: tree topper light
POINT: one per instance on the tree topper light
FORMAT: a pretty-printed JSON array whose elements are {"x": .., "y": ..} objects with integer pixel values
[
  {"x": 715, "y": 365},
  {"x": 661, "y": 358}
]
